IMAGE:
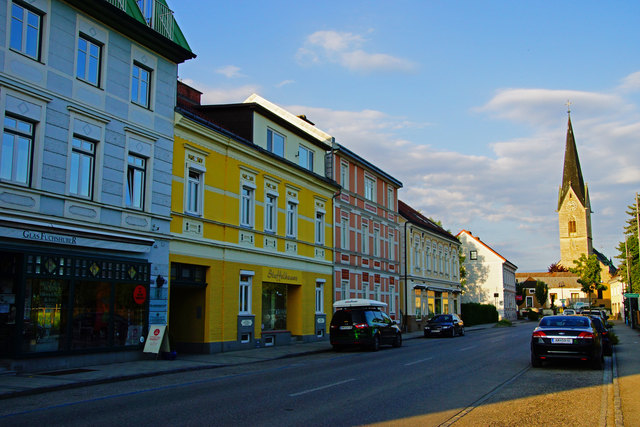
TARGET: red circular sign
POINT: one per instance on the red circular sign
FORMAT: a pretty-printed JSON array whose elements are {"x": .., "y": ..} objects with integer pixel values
[
  {"x": 140, "y": 294},
  {"x": 156, "y": 332}
]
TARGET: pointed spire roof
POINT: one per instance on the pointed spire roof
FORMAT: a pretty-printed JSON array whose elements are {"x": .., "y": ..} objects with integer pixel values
[{"x": 572, "y": 174}]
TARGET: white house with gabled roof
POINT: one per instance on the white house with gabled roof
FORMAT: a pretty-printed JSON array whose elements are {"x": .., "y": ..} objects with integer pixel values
[{"x": 491, "y": 278}]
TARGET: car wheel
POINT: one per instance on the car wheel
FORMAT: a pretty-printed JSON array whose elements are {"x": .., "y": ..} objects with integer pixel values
[
  {"x": 462, "y": 331},
  {"x": 398, "y": 341},
  {"x": 453, "y": 332},
  {"x": 598, "y": 363},
  {"x": 535, "y": 361},
  {"x": 376, "y": 343},
  {"x": 426, "y": 335}
]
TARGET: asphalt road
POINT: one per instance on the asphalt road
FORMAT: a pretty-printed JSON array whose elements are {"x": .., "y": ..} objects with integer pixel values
[{"x": 483, "y": 378}]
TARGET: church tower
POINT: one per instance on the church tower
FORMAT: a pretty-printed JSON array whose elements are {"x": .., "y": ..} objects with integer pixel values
[{"x": 574, "y": 207}]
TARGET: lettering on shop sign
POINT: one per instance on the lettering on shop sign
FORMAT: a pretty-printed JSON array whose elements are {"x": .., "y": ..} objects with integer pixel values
[
  {"x": 41, "y": 236},
  {"x": 280, "y": 276}
]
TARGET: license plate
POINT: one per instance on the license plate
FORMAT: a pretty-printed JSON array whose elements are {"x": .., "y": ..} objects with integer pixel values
[
  {"x": 562, "y": 340},
  {"x": 345, "y": 328}
]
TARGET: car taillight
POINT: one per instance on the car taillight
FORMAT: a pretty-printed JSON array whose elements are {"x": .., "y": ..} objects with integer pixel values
[
  {"x": 586, "y": 335},
  {"x": 361, "y": 326},
  {"x": 539, "y": 334}
]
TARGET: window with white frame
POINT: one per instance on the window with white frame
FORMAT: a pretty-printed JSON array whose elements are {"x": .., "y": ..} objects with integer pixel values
[
  {"x": 245, "y": 292},
  {"x": 473, "y": 254},
  {"x": 344, "y": 233},
  {"x": 136, "y": 176},
  {"x": 416, "y": 256},
  {"x": 305, "y": 157},
  {"x": 376, "y": 292},
  {"x": 365, "y": 289},
  {"x": 529, "y": 301},
  {"x": 141, "y": 85},
  {"x": 247, "y": 203},
  {"x": 392, "y": 247},
  {"x": 26, "y": 30},
  {"x": 344, "y": 290},
  {"x": 376, "y": 242},
  {"x": 369, "y": 188},
  {"x": 320, "y": 228},
  {"x": 194, "y": 193},
  {"x": 88, "y": 60},
  {"x": 83, "y": 156},
  {"x": 390, "y": 201},
  {"x": 275, "y": 142},
  {"x": 428, "y": 255},
  {"x": 319, "y": 296},
  {"x": 270, "y": 212},
  {"x": 392, "y": 299},
  {"x": 17, "y": 150},
  {"x": 441, "y": 261},
  {"x": 292, "y": 218},
  {"x": 344, "y": 175},
  {"x": 365, "y": 238}
]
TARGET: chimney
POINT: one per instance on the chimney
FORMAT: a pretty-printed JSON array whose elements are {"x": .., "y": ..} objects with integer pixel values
[{"x": 188, "y": 95}]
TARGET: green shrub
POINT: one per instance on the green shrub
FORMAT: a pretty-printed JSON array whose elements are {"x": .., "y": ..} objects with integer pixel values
[
  {"x": 613, "y": 338},
  {"x": 474, "y": 313},
  {"x": 504, "y": 322},
  {"x": 533, "y": 315}
]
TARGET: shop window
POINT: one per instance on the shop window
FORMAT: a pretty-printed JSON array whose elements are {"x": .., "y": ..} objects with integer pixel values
[
  {"x": 45, "y": 315},
  {"x": 274, "y": 306},
  {"x": 91, "y": 315},
  {"x": 130, "y": 312}
]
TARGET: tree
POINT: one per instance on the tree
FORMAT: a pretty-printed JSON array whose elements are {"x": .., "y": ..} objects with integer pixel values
[
  {"x": 542, "y": 291},
  {"x": 628, "y": 251},
  {"x": 463, "y": 270},
  {"x": 555, "y": 267},
  {"x": 588, "y": 270}
]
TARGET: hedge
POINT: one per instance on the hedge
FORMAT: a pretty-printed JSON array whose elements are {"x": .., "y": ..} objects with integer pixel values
[{"x": 474, "y": 313}]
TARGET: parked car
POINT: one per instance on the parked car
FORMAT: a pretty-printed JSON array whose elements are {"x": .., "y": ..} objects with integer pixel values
[
  {"x": 361, "y": 322},
  {"x": 569, "y": 312},
  {"x": 596, "y": 312},
  {"x": 607, "y": 346},
  {"x": 567, "y": 337},
  {"x": 448, "y": 325}
]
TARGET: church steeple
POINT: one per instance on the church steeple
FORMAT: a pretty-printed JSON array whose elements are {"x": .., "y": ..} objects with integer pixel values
[
  {"x": 574, "y": 207},
  {"x": 572, "y": 173}
]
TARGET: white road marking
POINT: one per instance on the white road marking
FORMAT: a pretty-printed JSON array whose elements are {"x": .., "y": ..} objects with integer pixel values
[
  {"x": 418, "y": 361},
  {"x": 321, "y": 388},
  {"x": 467, "y": 348}
]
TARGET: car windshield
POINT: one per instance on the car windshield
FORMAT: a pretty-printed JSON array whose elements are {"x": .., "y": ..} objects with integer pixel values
[
  {"x": 565, "y": 321},
  {"x": 442, "y": 319}
]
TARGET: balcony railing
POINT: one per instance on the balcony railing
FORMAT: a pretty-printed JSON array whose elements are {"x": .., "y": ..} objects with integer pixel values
[{"x": 157, "y": 15}]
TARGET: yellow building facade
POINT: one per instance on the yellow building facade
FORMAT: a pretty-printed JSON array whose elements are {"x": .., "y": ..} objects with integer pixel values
[{"x": 251, "y": 257}]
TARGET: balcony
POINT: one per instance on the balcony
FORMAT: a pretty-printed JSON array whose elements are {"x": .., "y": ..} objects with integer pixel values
[{"x": 157, "y": 15}]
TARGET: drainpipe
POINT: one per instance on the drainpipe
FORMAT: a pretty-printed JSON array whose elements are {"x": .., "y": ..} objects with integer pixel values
[{"x": 406, "y": 283}]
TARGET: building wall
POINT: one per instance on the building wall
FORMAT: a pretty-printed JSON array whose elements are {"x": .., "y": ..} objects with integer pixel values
[
  {"x": 217, "y": 240},
  {"x": 359, "y": 271},
  {"x": 47, "y": 93}
]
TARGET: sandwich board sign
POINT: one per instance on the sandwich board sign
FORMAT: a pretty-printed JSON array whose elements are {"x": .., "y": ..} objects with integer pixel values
[{"x": 156, "y": 339}]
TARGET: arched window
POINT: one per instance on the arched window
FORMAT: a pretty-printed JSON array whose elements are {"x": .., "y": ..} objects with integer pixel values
[{"x": 572, "y": 226}]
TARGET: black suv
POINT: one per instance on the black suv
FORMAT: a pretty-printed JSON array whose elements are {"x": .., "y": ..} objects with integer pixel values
[{"x": 365, "y": 326}]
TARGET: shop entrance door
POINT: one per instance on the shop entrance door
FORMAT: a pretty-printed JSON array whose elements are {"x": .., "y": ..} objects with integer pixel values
[
  {"x": 9, "y": 283},
  {"x": 186, "y": 318}
]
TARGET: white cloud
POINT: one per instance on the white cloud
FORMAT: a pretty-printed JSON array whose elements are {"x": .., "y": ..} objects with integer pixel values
[
  {"x": 346, "y": 50},
  {"x": 229, "y": 71},
  {"x": 285, "y": 83},
  {"x": 630, "y": 83}
]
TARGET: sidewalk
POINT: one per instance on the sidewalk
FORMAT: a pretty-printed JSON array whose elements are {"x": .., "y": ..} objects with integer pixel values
[
  {"x": 626, "y": 374},
  {"x": 12, "y": 384}
]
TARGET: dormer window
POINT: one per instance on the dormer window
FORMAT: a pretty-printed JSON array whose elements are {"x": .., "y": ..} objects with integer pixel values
[{"x": 275, "y": 142}]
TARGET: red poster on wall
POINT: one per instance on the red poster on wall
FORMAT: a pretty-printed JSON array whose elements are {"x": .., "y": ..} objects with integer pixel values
[{"x": 140, "y": 294}]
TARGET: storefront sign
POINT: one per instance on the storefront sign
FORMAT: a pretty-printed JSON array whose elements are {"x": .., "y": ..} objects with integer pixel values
[
  {"x": 42, "y": 236},
  {"x": 140, "y": 294},
  {"x": 278, "y": 275},
  {"x": 156, "y": 340}
]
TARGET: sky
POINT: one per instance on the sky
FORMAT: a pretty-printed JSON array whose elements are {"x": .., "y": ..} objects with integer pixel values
[{"x": 463, "y": 101}]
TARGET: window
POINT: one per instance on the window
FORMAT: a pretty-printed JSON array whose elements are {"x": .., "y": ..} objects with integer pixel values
[
  {"x": 390, "y": 202},
  {"x": 194, "y": 193},
  {"x": 365, "y": 238},
  {"x": 305, "y": 158},
  {"x": 344, "y": 175},
  {"x": 344, "y": 290},
  {"x": 88, "y": 66},
  {"x": 376, "y": 242},
  {"x": 26, "y": 28},
  {"x": 17, "y": 148},
  {"x": 428, "y": 261},
  {"x": 320, "y": 228},
  {"x": 392, "y": 299},
  {"x": 82, "y": 165},
  {"x": 473, "y": 254},
  {"x": 270, "y": 206},
  {"x": 529, "y": 301},
  {"x": 246, "y": 206},
  {"x": 369, "y": 188},
  {"x": 376, "y": 292},
  {"x": 146, "y": 7},
  {"x": 319, "y": 297},
  {"x": 292, "y": 219},
  {"x": 572, "y": 226},
  {"x": 140, "y": 85},
  {"x": 245, "y": 293},
  {"x": 136, "y": 175},
  {"x": 416, "y": 256},
  {"x": 344, "y": 233},
  {"x": 275, "y": 142},
  {"x": 392, "y": 247},
  {"x": 274, "y": 306}
]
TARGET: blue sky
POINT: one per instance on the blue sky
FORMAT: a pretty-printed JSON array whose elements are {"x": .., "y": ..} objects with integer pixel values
[{"x": 463, "y": 101}]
